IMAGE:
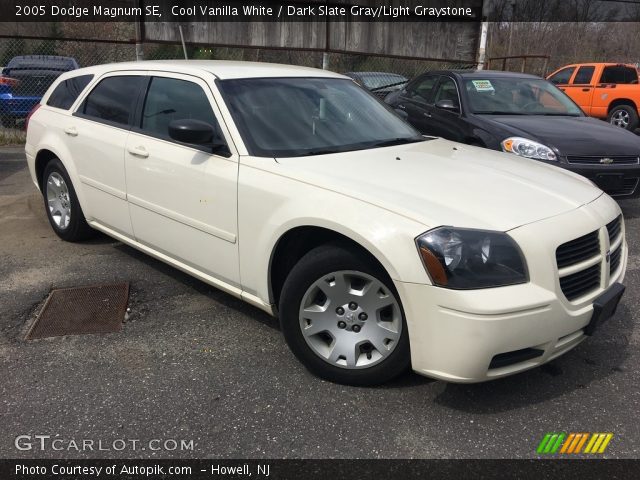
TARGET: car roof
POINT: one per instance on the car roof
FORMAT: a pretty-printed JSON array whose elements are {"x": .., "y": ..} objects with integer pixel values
[
  {"x": 483, "y": 74},
  {"x": 222, "y": 69}
]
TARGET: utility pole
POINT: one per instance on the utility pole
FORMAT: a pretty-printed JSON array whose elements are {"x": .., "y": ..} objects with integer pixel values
[
  {"x": 481, "y": 57},
  {"x": 138, "y": 29}
]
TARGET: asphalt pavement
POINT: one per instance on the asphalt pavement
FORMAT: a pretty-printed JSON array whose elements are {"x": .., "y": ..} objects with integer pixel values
[{"x": 195, "y": 373}]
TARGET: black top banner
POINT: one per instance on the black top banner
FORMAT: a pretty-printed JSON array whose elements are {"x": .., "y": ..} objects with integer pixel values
[{"x": 187, "y": 11}]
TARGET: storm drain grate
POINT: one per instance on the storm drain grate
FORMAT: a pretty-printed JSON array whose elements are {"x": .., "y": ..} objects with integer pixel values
[{"x": 82, "y": 310}]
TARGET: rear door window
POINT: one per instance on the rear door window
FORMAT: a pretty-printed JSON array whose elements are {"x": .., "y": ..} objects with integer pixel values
[
  {"x": 68, "y": 91},
  {"x": 113, "y": 100},
  {"x": 563, "y": 76},
  {"x": 171, "y": 99},
  {"x": 584, "y": 75}
]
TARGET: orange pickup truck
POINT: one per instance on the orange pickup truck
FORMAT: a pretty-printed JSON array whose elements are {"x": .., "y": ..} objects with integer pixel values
[{"x": 609, "y": 91}]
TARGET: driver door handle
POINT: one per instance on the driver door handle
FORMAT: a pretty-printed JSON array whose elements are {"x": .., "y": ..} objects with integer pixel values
[
  {"x": 401, "y": 106},
  {"x": 427, "y": 114},
  {"x": 71, "y": 131},
  {"x": 139, "y": 151}
]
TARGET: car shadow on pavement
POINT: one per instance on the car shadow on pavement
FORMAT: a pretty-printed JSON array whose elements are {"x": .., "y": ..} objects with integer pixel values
[
  {"x": 630, "y": 208},
  {"x": 596, "y": 358},
  {"x": 200, "y": 287}
]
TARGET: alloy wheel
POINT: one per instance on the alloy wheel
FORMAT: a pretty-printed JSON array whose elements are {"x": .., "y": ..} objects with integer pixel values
[
  {"x": 58, "y": 200},
  {"x": 350, "y": 319}
]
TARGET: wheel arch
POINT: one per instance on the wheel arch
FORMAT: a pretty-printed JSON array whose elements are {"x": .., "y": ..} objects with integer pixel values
[
  {"x": 47, "y": 151},
  {"x": 295, "y": 242},
  {"x": 621, "y": 101}
]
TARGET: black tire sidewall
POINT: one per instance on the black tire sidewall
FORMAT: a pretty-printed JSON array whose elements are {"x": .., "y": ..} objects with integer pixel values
[
  {"x": 633, "y": 116},
  {"x": 78, "y": 228},
  {"x": 315, "y": 264}
]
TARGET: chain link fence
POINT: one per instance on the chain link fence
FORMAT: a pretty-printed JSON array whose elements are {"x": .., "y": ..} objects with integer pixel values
[{"x": 30, "y": 66}]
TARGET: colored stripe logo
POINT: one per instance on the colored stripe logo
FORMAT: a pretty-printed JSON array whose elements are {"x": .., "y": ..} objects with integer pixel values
[{"x": 572, "y": 443}]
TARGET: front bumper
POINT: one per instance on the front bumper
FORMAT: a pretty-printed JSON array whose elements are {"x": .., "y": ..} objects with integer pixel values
[
  {"x": 619, "y": 181},
  {"x": 455, "y": 335}
]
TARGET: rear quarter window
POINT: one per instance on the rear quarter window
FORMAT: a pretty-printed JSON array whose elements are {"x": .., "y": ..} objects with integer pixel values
[
  {"x": 112, "y": 101},
  {"x": 619, "y": 74},
  {"x": 67, "y": 91}
]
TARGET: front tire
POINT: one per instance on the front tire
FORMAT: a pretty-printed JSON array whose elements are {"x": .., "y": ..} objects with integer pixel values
[
  {"x": 62, "y": 205},
  {"x": 624, "y": 116},
  {"x": 342, "y": 318}
]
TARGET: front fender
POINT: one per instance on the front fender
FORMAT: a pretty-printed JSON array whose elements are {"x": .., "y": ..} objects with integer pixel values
[{"x": 270, "y": 205}]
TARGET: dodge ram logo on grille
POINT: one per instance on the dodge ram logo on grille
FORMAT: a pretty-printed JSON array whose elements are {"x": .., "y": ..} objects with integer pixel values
[{"x": 606, "y": 160}]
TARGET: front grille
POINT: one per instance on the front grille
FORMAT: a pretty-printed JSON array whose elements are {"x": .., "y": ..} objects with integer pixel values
[
  {"x": 614, "y": 260},
  {"x": 580, "y": 283},
  {"x": 578, "y": 250},
  {"x": 628, "y": 187},
  {"x": 604, "y": 159},
  {"x": 614, "y": 227}
]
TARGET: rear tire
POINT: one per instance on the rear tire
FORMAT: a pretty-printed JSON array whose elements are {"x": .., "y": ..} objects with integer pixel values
[
  {"x": 62, "y": 205},
  {"x": 342, "y": 318},
  {"x": 624, "y": 116}
]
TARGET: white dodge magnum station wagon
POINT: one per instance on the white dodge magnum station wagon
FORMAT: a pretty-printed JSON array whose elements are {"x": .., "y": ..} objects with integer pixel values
[{"x": 301, "y": 193}]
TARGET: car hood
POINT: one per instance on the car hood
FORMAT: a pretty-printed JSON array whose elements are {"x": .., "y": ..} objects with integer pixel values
[
  {"x": 570, "y": 135},
  {"x": 438, "y": 182}
]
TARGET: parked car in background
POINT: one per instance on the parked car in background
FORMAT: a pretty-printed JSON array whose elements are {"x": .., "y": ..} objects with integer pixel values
[
  {"x": 609, "y": 91},
  {"x": 379, "y": 83},
  {"x": 297, "y": 191},
  {"x": 524, "y": 115},
  {"x": 24, "y": 80}
]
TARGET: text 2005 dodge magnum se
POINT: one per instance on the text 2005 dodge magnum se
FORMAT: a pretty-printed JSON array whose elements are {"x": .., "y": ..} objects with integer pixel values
[{"x": 297, "y": 191}]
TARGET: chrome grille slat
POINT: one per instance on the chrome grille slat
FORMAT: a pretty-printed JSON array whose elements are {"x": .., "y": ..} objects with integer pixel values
[{"x": 598, "y": 159}]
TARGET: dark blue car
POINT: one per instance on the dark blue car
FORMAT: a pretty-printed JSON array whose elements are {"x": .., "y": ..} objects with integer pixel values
[{"x": 25, "y": 80}]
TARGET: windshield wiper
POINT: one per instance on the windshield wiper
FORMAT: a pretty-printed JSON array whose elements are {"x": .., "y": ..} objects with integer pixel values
[
  {"x": 397, "y": 141},
  {"x": 320, "y": 152}
]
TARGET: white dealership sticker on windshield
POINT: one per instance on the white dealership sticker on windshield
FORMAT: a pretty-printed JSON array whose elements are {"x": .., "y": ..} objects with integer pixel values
[{"x": 482, "y": 85}]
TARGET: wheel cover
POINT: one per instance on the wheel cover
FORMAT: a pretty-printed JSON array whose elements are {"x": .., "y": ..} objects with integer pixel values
[
  {"x": 350, "y": 319},
  {"x": 620, "y": 118},
  {"x": 58, "y": 200}
]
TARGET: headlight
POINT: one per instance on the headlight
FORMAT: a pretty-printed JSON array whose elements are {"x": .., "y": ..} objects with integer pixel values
[
  {"x": 528, "y": 148},
  {"x": 464, "y": 259}
]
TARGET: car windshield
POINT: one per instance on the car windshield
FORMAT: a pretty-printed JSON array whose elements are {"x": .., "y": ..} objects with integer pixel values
[
  {"x": 290, "y": 117},
  {"x": 518, "y": 96}
]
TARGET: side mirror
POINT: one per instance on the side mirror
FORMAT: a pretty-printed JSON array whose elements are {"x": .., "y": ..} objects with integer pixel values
[
  {"x": 197, "y": 132},
  {"x": 447, "y": 105},
  {"x": 191, "y": 131}
]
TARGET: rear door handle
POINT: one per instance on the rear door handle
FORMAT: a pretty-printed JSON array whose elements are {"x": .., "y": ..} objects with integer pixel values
[
  {"x": 401, "y": 106},
  {"x": 427, "y": 114},
  {"x": 71, "y": 131},
  {"x": 586, "y": 89},
  {"x": 139, "y": 151}
]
